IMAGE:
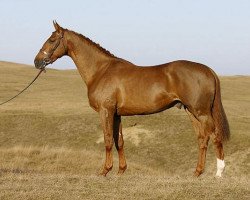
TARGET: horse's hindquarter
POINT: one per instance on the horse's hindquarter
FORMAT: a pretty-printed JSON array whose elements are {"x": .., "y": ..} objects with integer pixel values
[{"x": 193, "y": 83}]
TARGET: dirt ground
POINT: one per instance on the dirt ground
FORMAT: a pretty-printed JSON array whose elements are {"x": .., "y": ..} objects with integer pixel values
[{"x": 51, "y": 145}]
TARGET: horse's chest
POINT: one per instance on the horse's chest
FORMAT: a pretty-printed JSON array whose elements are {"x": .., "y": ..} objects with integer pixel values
[{"x": 100, "y": 97}]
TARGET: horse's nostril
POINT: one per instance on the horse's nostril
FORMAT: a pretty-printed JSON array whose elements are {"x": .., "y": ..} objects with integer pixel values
[{"x": 37, "y": 63}]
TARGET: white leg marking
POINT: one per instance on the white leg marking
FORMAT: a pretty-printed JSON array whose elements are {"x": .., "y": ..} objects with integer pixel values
[{"x": 220, "y": 167}]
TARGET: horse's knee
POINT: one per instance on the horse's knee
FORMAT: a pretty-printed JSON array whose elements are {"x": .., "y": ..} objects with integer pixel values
[
  {"x": 108, "y": 147},
  {"x": 108, "y": 143},
  {"x": 203, "y": 146}
]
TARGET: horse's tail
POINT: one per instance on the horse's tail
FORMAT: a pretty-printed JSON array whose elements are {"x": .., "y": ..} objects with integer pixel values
[{"x": 220, "y": 119}]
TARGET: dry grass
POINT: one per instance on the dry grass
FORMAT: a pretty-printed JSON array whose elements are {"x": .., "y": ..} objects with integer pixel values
[{"x": 51, "y": 146}]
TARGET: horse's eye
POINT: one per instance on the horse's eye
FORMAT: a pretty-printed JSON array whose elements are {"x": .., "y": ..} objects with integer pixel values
[{"x": 51, "y": 40}]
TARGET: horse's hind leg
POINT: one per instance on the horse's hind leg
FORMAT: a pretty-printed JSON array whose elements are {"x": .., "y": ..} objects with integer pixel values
[
  {"x": 203, "y": 126},
  {"x": 119, "y": 143},
  {"x": 219, "y": 153}
]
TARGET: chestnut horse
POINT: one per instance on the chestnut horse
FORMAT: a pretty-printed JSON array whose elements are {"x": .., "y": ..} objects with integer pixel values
[{"x": 118, "y": 88}]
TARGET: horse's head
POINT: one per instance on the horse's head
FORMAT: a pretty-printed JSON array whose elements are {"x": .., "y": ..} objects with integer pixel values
[{"x": 52, "y": 49}]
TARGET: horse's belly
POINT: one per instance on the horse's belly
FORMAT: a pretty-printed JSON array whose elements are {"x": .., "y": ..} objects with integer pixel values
[{"x": 144, "y": 106}]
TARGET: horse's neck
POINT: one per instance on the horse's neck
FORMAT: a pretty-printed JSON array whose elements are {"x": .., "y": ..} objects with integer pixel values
[{"x": 87, "y": 58}]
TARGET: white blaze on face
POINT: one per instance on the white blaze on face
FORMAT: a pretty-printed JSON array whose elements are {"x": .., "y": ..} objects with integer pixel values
[
  {"x": 44, "y": 52},
  {"x": 220, "y": 167}
]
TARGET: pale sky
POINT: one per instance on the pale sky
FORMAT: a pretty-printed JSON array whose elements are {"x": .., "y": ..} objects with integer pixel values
[{"x": 215, "y": 32}]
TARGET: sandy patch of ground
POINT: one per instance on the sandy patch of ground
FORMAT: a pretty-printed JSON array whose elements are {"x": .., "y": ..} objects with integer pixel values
[{"x": 134, "y": 134}]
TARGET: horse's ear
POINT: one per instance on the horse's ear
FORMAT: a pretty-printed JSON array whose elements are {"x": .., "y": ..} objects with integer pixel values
[{"x": 57, "y": 26}]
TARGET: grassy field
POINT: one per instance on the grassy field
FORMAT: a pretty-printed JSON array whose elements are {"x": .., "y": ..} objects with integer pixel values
[{"x": 51, "y": 145}]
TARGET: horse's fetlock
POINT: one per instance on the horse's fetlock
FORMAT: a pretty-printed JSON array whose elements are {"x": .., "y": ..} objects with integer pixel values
[
  {"x": 109, "y": 167},
  {"x": 123, "y": 167}
]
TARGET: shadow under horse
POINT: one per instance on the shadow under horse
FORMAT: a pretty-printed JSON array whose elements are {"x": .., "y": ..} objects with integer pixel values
[{"x": 118, "y": 88}]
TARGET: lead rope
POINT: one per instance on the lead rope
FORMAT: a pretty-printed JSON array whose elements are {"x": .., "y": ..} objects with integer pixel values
[{"x": 24, "y": 88}]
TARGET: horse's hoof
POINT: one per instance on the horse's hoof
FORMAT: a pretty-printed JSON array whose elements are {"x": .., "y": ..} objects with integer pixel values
[
  {"x": 121, "y": 170},
  {"x": 219, "y": 173},
  {"x": 104, "y": 171},
  {"x": 197, "y": 173}
]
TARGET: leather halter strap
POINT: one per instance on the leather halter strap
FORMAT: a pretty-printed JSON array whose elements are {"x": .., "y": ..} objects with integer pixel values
[
  {"x": 24, "y": 88},
  {"x": 49, "y": 54}
]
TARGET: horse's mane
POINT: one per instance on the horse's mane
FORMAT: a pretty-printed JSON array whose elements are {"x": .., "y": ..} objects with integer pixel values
[{"x": 90, "y": 42}]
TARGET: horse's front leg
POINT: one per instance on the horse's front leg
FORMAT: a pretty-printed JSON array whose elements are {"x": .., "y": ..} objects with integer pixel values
[{"x": 107, "y": 120}]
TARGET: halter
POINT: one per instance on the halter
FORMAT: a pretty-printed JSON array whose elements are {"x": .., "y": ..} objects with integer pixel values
[{"x": 47, "y": 59}]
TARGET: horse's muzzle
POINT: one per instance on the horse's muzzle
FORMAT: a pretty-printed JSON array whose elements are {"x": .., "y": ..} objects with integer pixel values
[{"x": 41, "y": 64}]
